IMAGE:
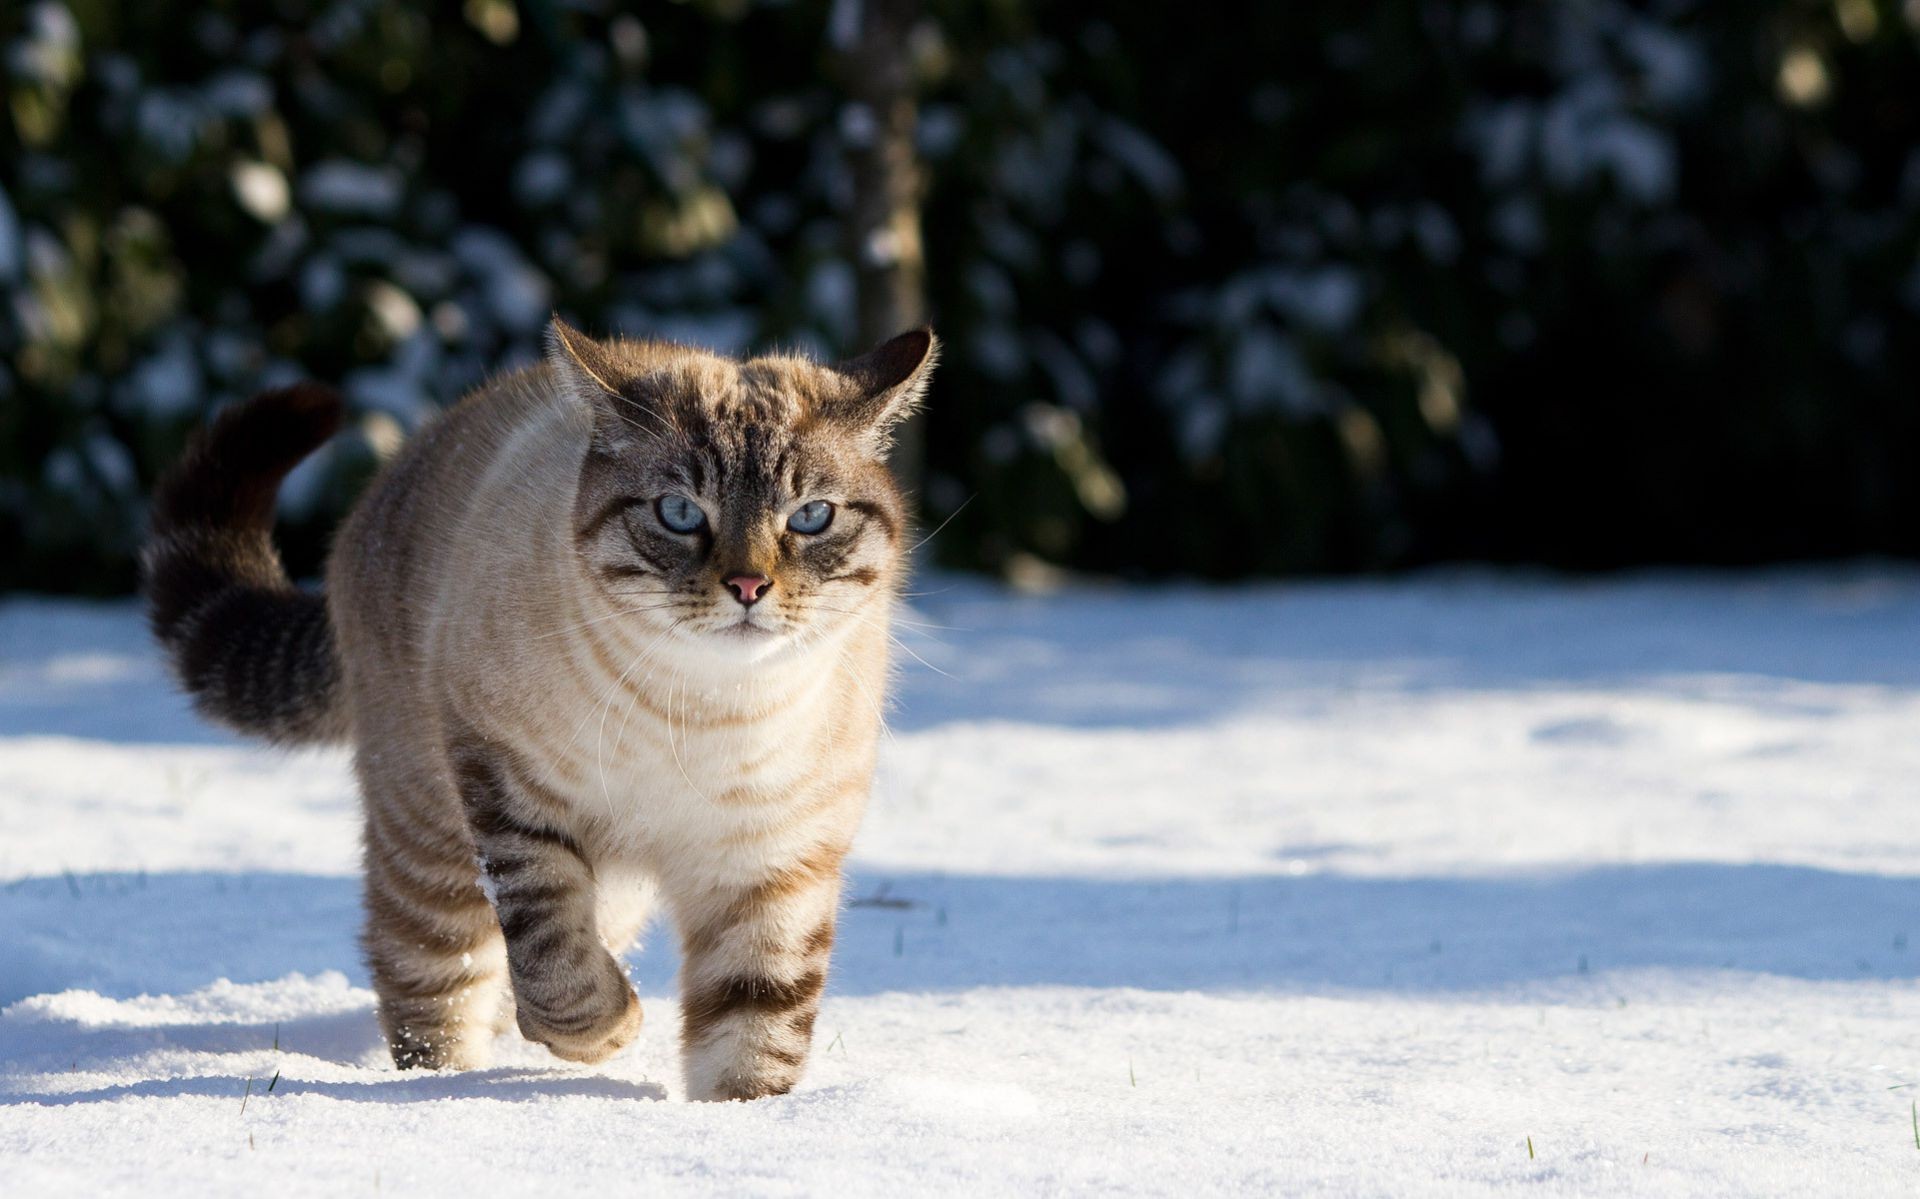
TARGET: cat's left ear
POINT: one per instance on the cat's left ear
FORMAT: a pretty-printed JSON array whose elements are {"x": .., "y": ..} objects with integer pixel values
[{"x": 886, "y": 386}]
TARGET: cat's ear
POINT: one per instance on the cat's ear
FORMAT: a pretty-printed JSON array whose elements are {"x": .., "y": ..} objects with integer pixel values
[
  {"x": 886, "y": 385},
  {"x": 603, "y": 379},
  {"x": 586, "y": 366}
]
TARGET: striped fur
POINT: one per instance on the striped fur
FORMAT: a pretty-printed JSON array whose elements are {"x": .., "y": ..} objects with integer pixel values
[
  {"x": 561, "y": 713},
  {"x": 255, "y": 653}
]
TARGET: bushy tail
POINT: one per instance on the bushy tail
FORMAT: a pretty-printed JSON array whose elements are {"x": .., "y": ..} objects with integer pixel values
[{"x": 256, "y": 653}]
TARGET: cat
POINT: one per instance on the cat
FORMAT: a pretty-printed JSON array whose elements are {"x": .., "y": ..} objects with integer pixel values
[{"x": 612, "y": 630}]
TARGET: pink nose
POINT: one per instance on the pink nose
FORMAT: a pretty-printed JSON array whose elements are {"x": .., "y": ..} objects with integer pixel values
[{"x": 748, "y": 588}]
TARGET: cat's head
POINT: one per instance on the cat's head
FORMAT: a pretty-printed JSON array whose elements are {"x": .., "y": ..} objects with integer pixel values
[{"x": 747, "y": 502}]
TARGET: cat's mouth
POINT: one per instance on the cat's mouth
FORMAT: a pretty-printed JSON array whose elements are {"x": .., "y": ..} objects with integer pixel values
[{"x": 745, "y": 629}]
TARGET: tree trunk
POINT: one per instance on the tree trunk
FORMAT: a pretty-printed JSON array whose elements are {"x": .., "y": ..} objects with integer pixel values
[{"x": 877, "y": 121}]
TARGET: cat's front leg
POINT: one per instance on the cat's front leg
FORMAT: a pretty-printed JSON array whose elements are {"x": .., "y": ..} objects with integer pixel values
[
  {"x": 755, "y": 965},
  {"x": 569, "y": 993}
]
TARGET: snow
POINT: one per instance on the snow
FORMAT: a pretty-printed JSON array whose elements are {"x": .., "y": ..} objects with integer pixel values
[
  {"x": 1266, "y": 370},
  {"x": 843, "y": 24},
  {"x": 1157, "y": 171},
  {"x": 10, "y": 256},
  {"x": 342, "y": 186},
  {"x": 261, "y": 189},
  {"x": 1352, "y": 888},
  {"x": 399, "y": 389},
  {"x": 50, "y": 50},
  {"x": 237, "y": 93},
  {"x": 168, "y": 382},
  {"x": 516, "y": 293},
  {"x": 542, "y": 178}
]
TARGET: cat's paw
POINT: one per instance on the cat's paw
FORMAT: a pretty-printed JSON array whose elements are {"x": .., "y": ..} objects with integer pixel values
[
  {"x": 590, "y": 1030},
  {"x": 743, "y": 1089},
  {"x": 733, "y": 1071}
]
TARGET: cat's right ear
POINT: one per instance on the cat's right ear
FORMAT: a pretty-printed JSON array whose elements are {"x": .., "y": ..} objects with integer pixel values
[
  {"x": 583, "y": 363},
  {"x": 592, "y": 372}
]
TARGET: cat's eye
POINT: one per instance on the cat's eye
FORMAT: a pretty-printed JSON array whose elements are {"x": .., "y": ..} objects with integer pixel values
[
  {"x": 811, "y": 518},
  {"x": 680, "y": 514}
]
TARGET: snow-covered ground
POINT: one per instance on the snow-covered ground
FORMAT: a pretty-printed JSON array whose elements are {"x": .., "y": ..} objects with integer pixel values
[{"x": 1457, "y": 885}]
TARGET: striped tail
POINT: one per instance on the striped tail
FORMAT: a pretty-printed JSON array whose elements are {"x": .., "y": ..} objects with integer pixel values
[{"x": 256, "y": 653}]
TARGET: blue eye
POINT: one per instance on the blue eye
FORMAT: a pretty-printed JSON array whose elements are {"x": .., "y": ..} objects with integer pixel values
[
  {"x": 811, "y": 518},
  {"x": 680, "y": 514}
]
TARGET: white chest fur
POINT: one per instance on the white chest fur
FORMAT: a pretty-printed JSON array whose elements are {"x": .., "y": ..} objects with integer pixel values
[{"x": 675, "y": 753}]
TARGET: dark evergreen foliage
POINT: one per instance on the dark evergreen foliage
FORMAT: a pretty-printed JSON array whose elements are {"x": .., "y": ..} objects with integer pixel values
[{"x": 1226, "y": 289}]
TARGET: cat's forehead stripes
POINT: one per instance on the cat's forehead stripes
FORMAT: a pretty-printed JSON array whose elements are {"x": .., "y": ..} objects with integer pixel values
[
  {"x": 740, "y": 422},
  {"x": 705, "y": 394}
]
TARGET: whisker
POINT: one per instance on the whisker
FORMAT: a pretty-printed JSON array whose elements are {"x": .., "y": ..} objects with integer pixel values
[
  {"x": 943, "y": 524},
  {"x": 599, "y": 745},
  {"x": 918, "y": 630},
  {"x": 846, "y": 660},
  {"x": 645, "y": 409},
  {"x": 675, "y": 747},
  {"x": 574, "y": 628},
  {"x": 573, "y": 739},
  {"x": 868, "y": 622},
  {"x": 917, "y": 658},
  {"x": 921, "y": 624}
]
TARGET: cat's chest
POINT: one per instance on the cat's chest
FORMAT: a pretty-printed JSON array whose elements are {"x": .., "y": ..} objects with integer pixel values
[{"x": 681, "y": 763}]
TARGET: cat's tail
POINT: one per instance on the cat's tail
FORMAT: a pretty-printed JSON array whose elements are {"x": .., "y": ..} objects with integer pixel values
[{"x": 255, "y": 652}]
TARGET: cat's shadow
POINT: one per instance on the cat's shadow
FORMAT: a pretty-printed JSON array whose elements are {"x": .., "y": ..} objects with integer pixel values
[
  {"x": 347, "y": 1038},
  {"x": 81, "y": 957},
  {"x": 344, "y": 1038},
  {"x": 503, "y": 1084}
]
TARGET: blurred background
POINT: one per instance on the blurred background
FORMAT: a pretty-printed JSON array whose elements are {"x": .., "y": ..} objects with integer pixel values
[{"x": 1228, "y": 290}]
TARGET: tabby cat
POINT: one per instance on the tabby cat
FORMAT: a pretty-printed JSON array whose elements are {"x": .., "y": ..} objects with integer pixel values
[{"x": 613, "y": 629}]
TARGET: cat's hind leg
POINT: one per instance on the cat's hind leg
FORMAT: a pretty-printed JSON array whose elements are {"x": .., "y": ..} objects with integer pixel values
[{"x": 432, "y": 941}]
